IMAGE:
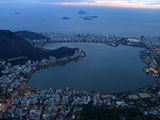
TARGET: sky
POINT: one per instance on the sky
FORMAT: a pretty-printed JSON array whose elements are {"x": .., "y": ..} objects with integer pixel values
[{"x": 150, "y": 4}]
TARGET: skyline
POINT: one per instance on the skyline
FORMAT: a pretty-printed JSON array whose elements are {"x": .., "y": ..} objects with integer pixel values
[{"x": 149, "y": 4}]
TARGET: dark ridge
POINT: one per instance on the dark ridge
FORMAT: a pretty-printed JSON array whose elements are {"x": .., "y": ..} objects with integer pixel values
[
  {"x": 12, "y": 45},
  {"x": 31, "y": 35}
]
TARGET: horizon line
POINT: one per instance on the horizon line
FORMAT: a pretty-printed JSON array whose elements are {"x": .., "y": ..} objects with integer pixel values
[{"x": 143, "y": 6}]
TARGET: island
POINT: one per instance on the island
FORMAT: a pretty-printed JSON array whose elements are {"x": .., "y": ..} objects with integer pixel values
[
  {"x": 81, "y": 12},
  {"x": 65, "y": 18}
]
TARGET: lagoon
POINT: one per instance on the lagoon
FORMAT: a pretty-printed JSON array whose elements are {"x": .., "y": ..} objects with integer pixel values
[{"x": 105, "y": 69}]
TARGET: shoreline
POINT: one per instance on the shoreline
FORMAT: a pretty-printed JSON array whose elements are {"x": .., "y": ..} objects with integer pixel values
[
  {"x": 25, "y": 84},
  {"x": 55, "y": 64},
  {"x": 111, "y": 93}
]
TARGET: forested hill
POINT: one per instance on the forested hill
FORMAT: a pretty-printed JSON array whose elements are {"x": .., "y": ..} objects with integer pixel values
[
  {"x": 12, "y": 45},
  {"x": 31, "y": 35}
]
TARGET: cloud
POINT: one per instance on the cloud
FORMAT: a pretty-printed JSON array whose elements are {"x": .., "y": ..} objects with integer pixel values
[{"x": 154, "y": 4}]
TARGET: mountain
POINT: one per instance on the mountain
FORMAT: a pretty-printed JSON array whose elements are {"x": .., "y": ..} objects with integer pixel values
[
  {"x": 12, "y": 45},
  {"x": 31, "y": 35}
]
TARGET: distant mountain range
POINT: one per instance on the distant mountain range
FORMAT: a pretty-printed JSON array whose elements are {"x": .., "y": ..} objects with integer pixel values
[
  {"x": 31, "y": 35},
  {"x": 13, "y": 45}
]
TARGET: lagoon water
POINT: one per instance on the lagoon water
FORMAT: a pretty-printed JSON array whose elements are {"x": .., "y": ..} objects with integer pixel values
[{"x": 106, "y": 69}]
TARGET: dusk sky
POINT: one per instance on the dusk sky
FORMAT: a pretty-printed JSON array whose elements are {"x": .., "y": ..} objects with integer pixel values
[{"x": 151, "y": 4}]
